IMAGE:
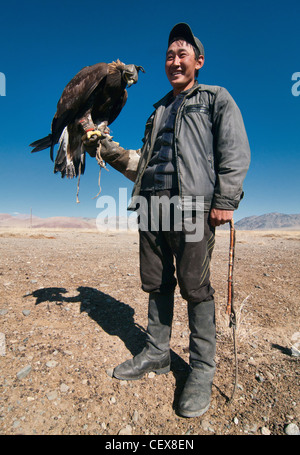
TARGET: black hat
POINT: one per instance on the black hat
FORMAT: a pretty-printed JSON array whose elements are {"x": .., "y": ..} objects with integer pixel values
[{"x": 183, "y": 30}]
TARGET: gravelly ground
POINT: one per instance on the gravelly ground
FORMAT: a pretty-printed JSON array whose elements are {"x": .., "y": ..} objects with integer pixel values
[{"x": 72, "y": 308}]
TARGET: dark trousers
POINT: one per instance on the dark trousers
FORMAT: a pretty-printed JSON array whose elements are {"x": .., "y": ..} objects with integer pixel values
[{"x": 167, "y": 258}]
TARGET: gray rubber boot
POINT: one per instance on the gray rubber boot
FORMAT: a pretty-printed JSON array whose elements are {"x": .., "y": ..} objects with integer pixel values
[
  {"x": 156, "y": 355},
  {"x": 195, "y": 398}
]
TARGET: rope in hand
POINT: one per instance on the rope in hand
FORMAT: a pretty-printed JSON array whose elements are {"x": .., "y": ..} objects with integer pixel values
[{"x": 230, "y": 306}]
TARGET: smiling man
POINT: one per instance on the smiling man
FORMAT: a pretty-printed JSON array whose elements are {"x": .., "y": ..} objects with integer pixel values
[
  {"x": 195, "y": 146},
  {"x": 182, "y": 63}
]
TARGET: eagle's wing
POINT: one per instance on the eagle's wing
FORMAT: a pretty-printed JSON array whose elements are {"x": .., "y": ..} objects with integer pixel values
[
  {"x": 76, "y": 94},
  {"x": 118, "y": 107}
]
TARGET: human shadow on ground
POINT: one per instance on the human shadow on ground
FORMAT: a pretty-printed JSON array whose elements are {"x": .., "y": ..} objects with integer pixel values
[{"x": 116, "y": 318}]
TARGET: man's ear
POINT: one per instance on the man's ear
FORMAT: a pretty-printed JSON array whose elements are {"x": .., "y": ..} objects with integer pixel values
[{"x": 200, "y": 62}]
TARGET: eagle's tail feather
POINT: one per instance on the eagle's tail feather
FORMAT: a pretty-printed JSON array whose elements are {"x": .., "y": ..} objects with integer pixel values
[
  {"x": 72, "y": 164},
  {"x": 60, "y": 164},
  {"x": 42, "y": 144}
]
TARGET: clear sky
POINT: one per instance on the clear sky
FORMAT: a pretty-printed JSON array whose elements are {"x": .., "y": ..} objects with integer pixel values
[{"x": 252, "y": 49}]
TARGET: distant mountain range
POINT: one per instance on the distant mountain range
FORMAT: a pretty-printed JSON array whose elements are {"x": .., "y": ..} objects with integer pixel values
[
  {"x": 26, "y": 221},
  {"x": 269, "y": 221},
  {"x": 262, "y": 222},
  {"x": 57, "y": 222}
]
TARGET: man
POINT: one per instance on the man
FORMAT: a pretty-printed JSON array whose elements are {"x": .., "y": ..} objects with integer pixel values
[{"x": 195, "y": 146}]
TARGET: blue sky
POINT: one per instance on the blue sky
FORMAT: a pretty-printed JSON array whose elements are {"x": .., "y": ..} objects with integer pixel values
[{"x": 252, "y": 49}]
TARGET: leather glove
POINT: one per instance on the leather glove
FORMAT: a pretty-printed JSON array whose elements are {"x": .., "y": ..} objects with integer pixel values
[
  {"x": 91, "y": 140},
  {"x": 123, "y": 160},
  {"x": 110, "y": 150},
  {"x": 90, "y": 146},
  {"x": 114, "y": 154}
]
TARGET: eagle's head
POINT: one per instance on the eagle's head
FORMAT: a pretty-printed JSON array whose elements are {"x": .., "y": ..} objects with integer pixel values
[{"x": 130, "y": 74}]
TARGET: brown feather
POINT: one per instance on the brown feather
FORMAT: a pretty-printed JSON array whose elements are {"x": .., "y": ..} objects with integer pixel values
[{"x": 113, "y": 67}]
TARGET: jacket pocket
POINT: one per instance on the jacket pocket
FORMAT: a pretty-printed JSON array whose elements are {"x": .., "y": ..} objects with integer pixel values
[{"x": 199, "y": 108}]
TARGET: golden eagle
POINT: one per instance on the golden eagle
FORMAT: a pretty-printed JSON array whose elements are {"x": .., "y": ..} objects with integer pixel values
[{"x": 90, "y": 102}]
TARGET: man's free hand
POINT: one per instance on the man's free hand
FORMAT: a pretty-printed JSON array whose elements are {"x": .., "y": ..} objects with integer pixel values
[{"x": 218, "y": 216}]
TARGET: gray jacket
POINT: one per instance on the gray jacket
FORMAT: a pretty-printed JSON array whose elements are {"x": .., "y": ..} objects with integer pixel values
[{"x": 211, "y": 148}]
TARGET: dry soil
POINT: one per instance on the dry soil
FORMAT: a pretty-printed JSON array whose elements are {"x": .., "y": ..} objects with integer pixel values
[{"x": 72, "y": 308}]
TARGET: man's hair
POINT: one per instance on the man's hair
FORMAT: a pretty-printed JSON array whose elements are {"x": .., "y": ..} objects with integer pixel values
[{"x": 196, "y": 51}]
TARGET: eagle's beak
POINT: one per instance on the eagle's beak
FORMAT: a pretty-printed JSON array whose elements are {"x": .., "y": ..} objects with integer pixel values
[
  {"x": 130, "y": 81},
  {"x": 131, "y": 74}
]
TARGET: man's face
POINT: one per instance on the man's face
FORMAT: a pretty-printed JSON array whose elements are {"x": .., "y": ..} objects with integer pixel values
[{"x": 181, "y": 65}]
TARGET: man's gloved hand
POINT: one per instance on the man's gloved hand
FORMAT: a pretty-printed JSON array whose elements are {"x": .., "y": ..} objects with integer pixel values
[
  {"x": 123, "y": 160},
  {"x": 104, "y": 148},
  {"x": 90, "y": 146},
  {"x": 91, "y": 142},
  {"x": 110, "y": 150}
]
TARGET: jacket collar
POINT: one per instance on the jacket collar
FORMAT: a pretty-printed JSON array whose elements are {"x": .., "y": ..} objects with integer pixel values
[{"x": 169, "y": 95}]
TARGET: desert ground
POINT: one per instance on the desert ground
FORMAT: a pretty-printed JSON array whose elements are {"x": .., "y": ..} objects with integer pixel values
[{"x": 71, "y": 308}]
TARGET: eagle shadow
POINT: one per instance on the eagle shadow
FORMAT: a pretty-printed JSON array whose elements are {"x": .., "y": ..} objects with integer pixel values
[{"x": 116, "y": 318}]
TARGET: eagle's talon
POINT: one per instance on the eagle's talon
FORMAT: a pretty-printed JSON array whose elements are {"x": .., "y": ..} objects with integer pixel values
[{"x": 89, "y": 134}]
